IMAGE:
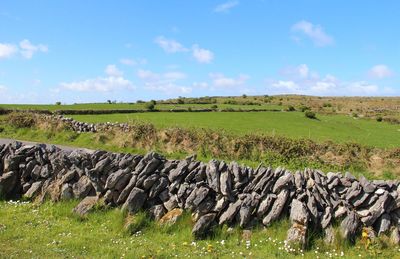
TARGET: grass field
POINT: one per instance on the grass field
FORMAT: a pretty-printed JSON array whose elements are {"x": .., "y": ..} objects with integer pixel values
[
  {"x": 134, "y": 106},
  {"x": 338, "y": 128},
  {"x": 51, "y": 230}
]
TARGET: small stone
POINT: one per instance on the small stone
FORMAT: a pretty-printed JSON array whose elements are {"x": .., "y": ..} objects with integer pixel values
[
  {"x": 85, "y": 206},
  {"x": 171, "y": 217}
]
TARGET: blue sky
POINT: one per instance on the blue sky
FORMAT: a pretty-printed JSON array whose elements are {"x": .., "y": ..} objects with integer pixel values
[{"x": 92, "y": 51}]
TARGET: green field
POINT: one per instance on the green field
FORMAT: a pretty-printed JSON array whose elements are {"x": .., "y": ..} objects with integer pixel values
[
  {"x": 51, "y": 230},
  {"x": 338, "y": 128},
  {"x": 133, "y": 106}
]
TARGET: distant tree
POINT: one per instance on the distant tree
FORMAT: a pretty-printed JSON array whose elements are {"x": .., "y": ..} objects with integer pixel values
[
  {"x": 150, "y": 106},
  {"x": 109, "y": 101},
  {"x": 244, "y": 96},
  {"x": 181, "y": 101},
  {"x": 58, "y": 103},
  {"x": 310, "y": 115},
  {"x": 140, "y": 101},
  {"x": 153, "y": 102}
]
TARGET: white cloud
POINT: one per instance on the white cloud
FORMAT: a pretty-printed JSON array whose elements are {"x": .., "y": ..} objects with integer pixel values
[
  {"x": 28, "y": 49},
  {"x": 113, "y": 82},
  {"x": 362, "y": 88},
  {"x": 166, "y": 82},
  {"x": 169, "y": 45},
  {"x": 202, "y": 55},
  {"x": 302, "y": 80},
  {"x": 3, "y": 88},
  {"x": 314, "y": 32},
  {"x": 286, "y": 86},
  {"x": 7, "y": 50},
  {"x": 147, "y": 75},
  {"x": 225, "y": 7},
  {"x": 100, "y": 84},
  {"x": 113, "y": 71},
  {"x": 200, "y": 85},
  {"x": 133, "y": 62},
  {"x": 380, "y": 71},
  {"x": 174, "y": 75},
  {"x": 219, "y": 80}
]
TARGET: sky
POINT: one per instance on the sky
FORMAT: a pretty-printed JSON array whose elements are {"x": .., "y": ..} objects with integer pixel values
[{"x": 91, "y": 51}]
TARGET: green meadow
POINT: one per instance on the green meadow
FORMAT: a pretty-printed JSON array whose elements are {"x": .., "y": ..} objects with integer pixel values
[{"x": 337, "y": 128}]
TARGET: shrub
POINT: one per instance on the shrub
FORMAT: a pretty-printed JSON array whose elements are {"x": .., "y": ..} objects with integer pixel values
[
  {"x": 153, "y": 102},
  {"x": 304, "y": 108},
  {"x": 244, "y": 96},
  {"x": 214, "y": 107},
  {"x": 310, "y": 115},
  {"x": 181, "y": 101},
  {"x": 327, "y": 105},
  {"x": 290, "y": 108},
  {"x": 150, "y": 106},
  {"x": 21, "y": 120},
  {"x": 355, "y": 115},
  {"x": 140, "y": 101},
  {"x": 58, "y": 103},
  {"x": 379, "y": 118}
]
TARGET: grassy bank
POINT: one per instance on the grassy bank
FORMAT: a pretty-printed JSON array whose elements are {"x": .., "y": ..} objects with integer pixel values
[
  {"x": 177, "y": 143},
  {"x": 51, "y": 231},
  {"x": 337, "y": 128}
]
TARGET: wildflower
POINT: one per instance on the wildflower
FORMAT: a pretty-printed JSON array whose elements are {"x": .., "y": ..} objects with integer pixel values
[{"x": 209, "y": 248}]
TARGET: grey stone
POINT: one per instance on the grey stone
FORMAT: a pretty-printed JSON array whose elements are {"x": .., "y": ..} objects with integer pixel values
[
  {"x": 114, "y": 178},
  {"x": 159, "y": 186},
  {"x": 297, "y": 235},
  {"x": 172, "y": 203},
  {"x": 265, "y": 205},
  {"x": 82, "y": 188},
  {"x": 376, "y": 210},
  {"x": 350, "y": 226},
  {"x": 298, "y": 212},
  {"x": 277, "y": 207},
  {"x": 86, "y": 205},
  {"x": 66, "y": 192},
  {"x": 383, "y": 224},
  {"x": 366, "y": 185},
  {"x": 34, "y": 190},
  {"x": 226, "y": 183},
  {"x": 282, "y": 182},
  {"x": 135, "y": 200},
  {"x": 213, "y": 175},
  {"x": 228, "y": 215},
  {"x": 157, "y": 211},
  {"x": 203, "y": 225},
  {"x": 196, "y": 197},
  {"x": 127, "y": 190},
  {"x": 8, "y": 183},
  {"x": 179, "y": 171}
]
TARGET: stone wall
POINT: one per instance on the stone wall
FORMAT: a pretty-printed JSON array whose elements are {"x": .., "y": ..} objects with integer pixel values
[{"x": 215, "y": 192}]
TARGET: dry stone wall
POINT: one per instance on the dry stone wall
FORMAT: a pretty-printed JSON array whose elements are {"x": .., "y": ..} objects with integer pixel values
[{"x": 215, "y": 192}]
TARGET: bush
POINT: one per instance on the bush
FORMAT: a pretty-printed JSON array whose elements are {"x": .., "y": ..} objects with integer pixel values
[
  {"x": 379, "y": 118},
  {"x": 21, "y": 120},
  {"x": 214, "y": 107},
  {"x": 355, "y": 115},
  {"x": 150, "y": 106},
  {"x": 310, "y": 115},
  {"x": 181, "y": 101},
  {"x": 140, "y": 101},
  {"x": 58, "y": 103},
  {"x": 304, "y": 108},
  {"x": 290, "y": 108},
  {"x": 153, "y": 102}
]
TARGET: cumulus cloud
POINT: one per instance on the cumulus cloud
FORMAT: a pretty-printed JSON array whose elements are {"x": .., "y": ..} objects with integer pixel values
[
  {"x": 168, "y": 82},
  {"x": 100, "y": 84},
  {"x": 28, "y": 49},
  {"x": 220, "y": 80},
  {"x": 380, "y": 71},
  {"x": 7, "y": 50},
  {"x": 113, "y": 71},
  {"x": 170, "y": 45},
  {"x": 315, "y": 32},
  {"x": 226, "y": 7},
  {"x": 114, "y": 81},
  {"x": 133, "y": 62},
  {"x": 202, "y": 55},
  {"x": 25, "y": 48},
  {"x": 302, "y": 80}
]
